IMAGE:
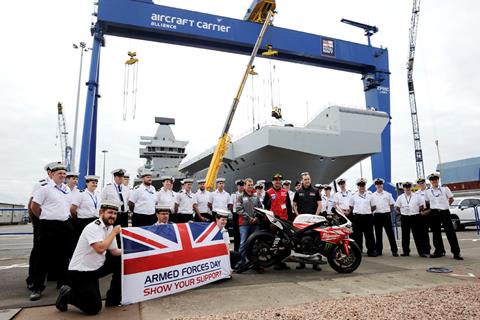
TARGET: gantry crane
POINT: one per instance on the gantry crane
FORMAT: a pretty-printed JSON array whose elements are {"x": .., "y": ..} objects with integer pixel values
[
  {"x": 262, "y": 12},
  {"x": 411, "y": 90},
  {"x": 65, "y": 148}
]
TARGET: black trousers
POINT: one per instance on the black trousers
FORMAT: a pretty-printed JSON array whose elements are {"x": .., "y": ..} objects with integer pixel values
[
  {"x": 55, "y": 244},
  {"x": 142, "y": 220},
  {"x": 236, "y": 233},
  {"x": 34, "y": 254},
  {"x": 425, "y": 223},
  {"x": 206, "y": 215},
  {"x": 85, "y": 293},
  {"x": 414, "y": 224},
  {"x": 439, "y": 219},
  {"x": 78, "y": 225},
  {"x": 234, "y": 258},
  {"x": 363, "y": 225},
  {"x": 183, "y": 218},
  {"x": 383, "y": 220},
  {"x": 122, "y": 219}
]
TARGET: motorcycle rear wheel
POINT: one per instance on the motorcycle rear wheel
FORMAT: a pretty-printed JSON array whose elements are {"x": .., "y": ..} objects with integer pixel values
[
  {"x": 258, "y": 249},
  {"x": 342, "y": 263}
]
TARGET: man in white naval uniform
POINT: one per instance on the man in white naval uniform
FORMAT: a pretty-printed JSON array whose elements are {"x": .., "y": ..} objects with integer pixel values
[
  {"x": 85, "y": 206},
  {"x": 203, "y": 196},
  {"x": 33, "y": 260},
  {"x": 362, "y": 206},
  {"x": 51, "y": 204},
  {"x": 342, "y": 198},
  {"x": 219, "y": 199},
  {"x": 382, "y": 218},
  {"x": 142, "y": 202},
  {"x": 166, "y": 196},
  {"x": 90, "y": 262},
  {"x": 118, "y": 192}
]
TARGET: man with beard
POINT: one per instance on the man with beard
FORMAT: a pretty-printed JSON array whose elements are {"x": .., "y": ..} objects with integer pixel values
[
  {"x": 90, "y": 263},
  {"x": 142, "y": 202},
  {"x": 307, "y": 200},
  {"x": 277, "y": 200}
]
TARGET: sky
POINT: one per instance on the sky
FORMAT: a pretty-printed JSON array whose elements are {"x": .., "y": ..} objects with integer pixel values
[{"x": 196, "y": 86}]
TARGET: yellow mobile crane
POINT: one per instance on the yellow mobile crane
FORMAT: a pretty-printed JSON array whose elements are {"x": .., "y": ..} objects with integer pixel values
[{"x": 263, "y": 12}]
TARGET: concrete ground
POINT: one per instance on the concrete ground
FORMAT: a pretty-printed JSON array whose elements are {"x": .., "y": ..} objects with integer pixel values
[{"x": 249, "y": 291}]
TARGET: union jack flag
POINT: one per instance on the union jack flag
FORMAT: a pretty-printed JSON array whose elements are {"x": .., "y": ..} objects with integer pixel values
[{"x": 167, "y": 245}]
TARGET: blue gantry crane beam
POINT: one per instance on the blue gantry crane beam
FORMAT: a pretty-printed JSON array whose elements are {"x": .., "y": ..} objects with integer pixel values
[{"x": 142, "y": 19}]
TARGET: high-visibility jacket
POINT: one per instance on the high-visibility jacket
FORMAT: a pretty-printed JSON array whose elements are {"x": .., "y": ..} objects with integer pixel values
[{"x": 278, "y": 202}]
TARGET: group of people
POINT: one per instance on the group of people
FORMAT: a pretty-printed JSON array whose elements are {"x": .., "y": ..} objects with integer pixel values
[{"x": 76, "y": 232}]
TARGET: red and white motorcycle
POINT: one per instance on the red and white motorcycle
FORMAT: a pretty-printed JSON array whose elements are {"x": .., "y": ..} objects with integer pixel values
[{"x": 306, "y": 240}]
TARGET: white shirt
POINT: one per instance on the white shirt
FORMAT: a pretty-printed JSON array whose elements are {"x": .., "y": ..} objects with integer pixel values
[
  {"x": 328, "y": 203},
  {"x": 185, "y": 202},
  {"x": 291, "y": 194},
  {"x": 166, "y": 198},
  {"x": 202, "y": 200},
  {"x": 235, "y": 198},
  {"x": 54, "y": 201},
  {"x": 362, "y": 203},
  {"x": 39, "y": 184},
  {"x": 220, "y": 200},
  {"x": 144, "y": 199},
  {"x": 438, "y": 198},
  {"x": 409, "y": 205},
  {"x": 342, "y": 199},
  {"x": 383, "y": 200},
  {"x": 421, "y": 193},
  {"x": 113, "y": 191},
  {"x": 88, "y": 204},
  {"x": 85, "y": 258}
]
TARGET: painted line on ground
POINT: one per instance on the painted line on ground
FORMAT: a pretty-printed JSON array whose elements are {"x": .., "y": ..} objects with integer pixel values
[{"x": 17, "y": 265}]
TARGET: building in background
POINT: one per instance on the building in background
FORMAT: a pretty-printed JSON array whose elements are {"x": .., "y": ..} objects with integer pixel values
[{"x": 461, "y": 175}]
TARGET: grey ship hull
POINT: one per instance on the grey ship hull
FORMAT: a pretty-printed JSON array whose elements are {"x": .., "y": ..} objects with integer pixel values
[{"x": 330, "y": 144}]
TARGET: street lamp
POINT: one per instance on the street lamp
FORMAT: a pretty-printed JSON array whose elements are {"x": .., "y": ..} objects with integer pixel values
[
  {"x": 104, "y": 156},
  {"x": 83, "y": 48}
]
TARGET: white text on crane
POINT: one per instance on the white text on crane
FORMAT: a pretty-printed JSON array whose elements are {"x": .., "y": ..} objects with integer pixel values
[{"x": 171, "y": 22}]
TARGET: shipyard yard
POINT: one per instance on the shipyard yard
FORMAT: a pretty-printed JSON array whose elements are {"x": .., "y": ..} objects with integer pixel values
[
  {"x": 248, "y": 159},
  {"x": 380, "y": 282}
]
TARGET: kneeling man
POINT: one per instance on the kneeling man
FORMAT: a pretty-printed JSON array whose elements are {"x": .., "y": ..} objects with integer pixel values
[{"x": 91, "y": 262}]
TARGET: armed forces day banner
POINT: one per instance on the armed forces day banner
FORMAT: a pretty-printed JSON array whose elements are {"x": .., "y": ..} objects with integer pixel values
[{"x": 160, "y": 260}]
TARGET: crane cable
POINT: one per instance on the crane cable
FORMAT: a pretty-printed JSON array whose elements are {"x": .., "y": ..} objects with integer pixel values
[{"x": 131, "y": 65}]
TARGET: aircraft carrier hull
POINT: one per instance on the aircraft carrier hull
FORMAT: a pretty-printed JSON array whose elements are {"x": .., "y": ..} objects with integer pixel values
[{"x": 330, "y": 144}]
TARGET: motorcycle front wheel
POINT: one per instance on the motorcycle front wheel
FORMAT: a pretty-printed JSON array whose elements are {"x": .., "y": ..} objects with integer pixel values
[
  {"x": 343, "y": 263},
  {"x": 259, "y": 250}
]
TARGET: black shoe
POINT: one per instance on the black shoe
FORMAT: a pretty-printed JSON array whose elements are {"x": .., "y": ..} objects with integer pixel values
[
  {"x": 110, "y": 303},
  {"x": 395, "y": 254},
  {"x": 300, "y": 266},
  {"x": 259, "y": 270},
  {"x": 35, "y": 295},
  {"x": 436, "y": 255},
  {"x": 379, "y": 254},
  {"x": 316, "y": 267},
  {"x": 405, "y": 254},
  {"x": 62, "y": 299},
  {"x": 372, "y": 254},
  {"x": 457, "y": 257},
  {"x": 423, "y": 255}
]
